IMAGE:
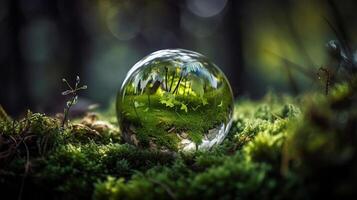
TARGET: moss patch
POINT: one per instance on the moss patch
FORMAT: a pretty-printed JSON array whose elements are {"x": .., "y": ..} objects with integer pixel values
[
  {"x": 278, "y": 148},
  {"x": 151, "y": 122}
]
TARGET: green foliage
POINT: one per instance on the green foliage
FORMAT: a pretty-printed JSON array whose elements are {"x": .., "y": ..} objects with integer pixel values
[
  {"x": 275, "y": 150},
  {"x": 169, "y": 100},
  {"x": 323, "y": 143}
]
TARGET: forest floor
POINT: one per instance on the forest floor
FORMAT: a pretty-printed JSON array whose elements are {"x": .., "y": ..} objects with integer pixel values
[{"x": 280, "y": 147}]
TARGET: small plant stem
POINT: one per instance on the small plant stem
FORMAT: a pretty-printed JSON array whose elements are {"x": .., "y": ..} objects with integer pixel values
[
  {"x": 64, "y": 117},
  {"x": 166, "y": 77},
  {"x": 68, "y": 84},
  {"x": 172, "y": 80},
  {"x": 178, "y": 83},
  {"x": 66, "y": 110},
  {"x": 73, "y": 92}
]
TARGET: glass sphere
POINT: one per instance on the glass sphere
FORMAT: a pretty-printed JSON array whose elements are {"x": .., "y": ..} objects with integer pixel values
[{"x": 175, "y": 100}]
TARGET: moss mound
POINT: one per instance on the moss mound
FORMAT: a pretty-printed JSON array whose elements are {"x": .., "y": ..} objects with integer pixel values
[{"x": 279, "y": 147}]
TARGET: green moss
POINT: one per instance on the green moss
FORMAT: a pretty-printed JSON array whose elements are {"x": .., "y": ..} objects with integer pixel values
[
  {"x": 74, "y": 168},
  {"x": 323, "y": 143},
  {"x": 246, "y": 165},
  {"x": 150, "y": 120},
  {"x": 277, "y": 148}
]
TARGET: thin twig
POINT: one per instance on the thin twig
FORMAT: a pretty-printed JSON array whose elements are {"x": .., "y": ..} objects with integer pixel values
[
  {"x": 26, "y": 170},
  {"x": 328, "y": 77}
]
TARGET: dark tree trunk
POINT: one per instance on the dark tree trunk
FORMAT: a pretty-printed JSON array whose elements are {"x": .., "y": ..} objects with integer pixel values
[
  {"x": 14, "y": 84},
  {"x": 233, "y": 30}
]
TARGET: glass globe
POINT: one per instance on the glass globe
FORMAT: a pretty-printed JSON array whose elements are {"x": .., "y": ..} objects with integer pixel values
[{"x": 175, "y": 100}]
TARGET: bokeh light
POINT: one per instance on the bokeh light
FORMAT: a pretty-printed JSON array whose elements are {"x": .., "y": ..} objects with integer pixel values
[{"x": 206, "y": 8}]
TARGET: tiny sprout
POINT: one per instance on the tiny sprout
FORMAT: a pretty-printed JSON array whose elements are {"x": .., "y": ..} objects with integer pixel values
[
  {"x": 83, "y": 87},
  {"x": 74, "y": 97},
  {"x": 66, "y": 92},
  {"x": 68, "y": 104}
]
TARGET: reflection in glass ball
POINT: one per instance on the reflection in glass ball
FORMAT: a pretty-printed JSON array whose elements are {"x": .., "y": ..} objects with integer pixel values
[{"x": 175, "y": 100}]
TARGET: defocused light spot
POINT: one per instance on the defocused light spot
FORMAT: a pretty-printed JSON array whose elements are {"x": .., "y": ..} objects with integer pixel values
[
  {"x": 206, "y": 8},
  {"x": 197, "y": 26},
  {"x": 107, "y": 68},
  {"x": 124, "y": 24},
  {"x": 160, "y": 38},
  {"x": 39, "y": 40}
]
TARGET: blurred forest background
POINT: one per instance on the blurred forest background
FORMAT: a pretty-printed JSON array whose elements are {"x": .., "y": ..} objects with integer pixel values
[{"x": 254, "y": 42}]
